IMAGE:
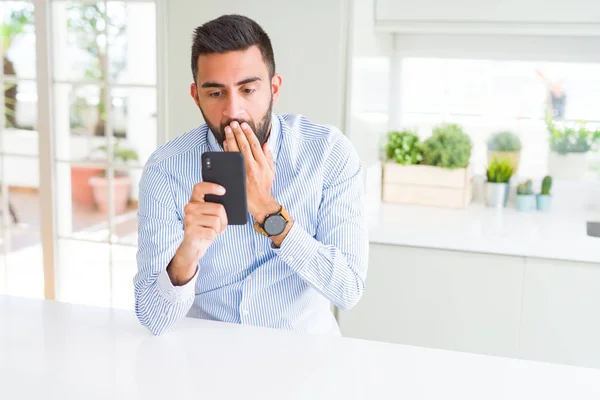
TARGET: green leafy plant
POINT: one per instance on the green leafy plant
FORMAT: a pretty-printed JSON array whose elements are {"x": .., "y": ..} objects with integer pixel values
[
  {"x": 572, "y": 138},
  {"x": 448, "y": 147},
  {"x": 499, "y": 171},
  {"x": 546, "y": 185},
  {"x": 404, "y": 147},
  {"x": 504, "y": 141},
  {"x": 525, "y": 188}
]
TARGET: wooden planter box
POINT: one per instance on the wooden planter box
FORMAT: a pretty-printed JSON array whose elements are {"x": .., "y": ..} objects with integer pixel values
[{"x": 426, "y": 185}]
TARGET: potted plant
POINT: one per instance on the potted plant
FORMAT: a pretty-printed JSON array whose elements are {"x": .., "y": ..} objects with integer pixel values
[
  {"x": 544, "y": 199},
  {"x": 570, "y": 144},
  {"x": 435, "y": 172},
  {"x": 449, "y": 147},
  {"x": 525, "y": 196},
  {"x": 121, "y": 180},
  {"x": 505, "y": 144},
  {"x": 498, "y": 176}
]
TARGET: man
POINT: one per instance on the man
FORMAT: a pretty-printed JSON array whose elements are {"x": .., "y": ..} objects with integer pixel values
[{"x": 306, "y": 177}]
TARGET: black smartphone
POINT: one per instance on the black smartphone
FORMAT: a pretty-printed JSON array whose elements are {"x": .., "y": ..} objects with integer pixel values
[{"x": 227, "y": 169}]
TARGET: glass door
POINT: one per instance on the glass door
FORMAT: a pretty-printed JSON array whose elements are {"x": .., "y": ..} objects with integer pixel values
[
  {"x": 105, "y": 128},
  {"x": 21, "y": 266},
  {"x": 69, "y": 176}
]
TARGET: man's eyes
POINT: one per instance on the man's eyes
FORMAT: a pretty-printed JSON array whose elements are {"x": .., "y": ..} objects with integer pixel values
[{"x": 220, "y": 94}]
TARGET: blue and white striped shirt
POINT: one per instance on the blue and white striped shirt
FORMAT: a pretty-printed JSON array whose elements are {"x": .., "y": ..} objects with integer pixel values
[{"x": 242, "y": 278}]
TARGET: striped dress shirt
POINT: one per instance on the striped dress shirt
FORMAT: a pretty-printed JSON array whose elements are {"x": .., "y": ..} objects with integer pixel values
[{"x": 242, "y": 278}]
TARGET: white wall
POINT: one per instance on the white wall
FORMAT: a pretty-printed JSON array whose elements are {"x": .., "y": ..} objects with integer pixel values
[
  {"x": 368, "y": 91},
  {"x": 535, "y": 11},
  {"x": 309, "y": 41}
]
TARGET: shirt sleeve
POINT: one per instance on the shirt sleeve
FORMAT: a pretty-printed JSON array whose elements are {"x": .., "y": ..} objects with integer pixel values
[
  {"x": 159, "y": 304},
  {"x": 334, "y": 262}
]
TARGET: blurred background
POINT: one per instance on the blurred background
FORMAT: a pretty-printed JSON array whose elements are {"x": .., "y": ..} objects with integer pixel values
[{"x": 477, "y": 122}]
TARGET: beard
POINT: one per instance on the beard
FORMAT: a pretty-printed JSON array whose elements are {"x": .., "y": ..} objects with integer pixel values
[{"x": 261, "y": 130}]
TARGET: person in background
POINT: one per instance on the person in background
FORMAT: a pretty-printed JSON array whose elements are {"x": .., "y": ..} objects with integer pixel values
[
  {"x": 303, "y": 178},
  {"x": 557, "y": 98}
]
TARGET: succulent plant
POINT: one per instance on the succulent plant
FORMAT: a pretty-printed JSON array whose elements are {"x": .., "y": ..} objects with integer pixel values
[
  {"x": 546, "y": 185},
  {"x": 525, "y": 188},
  {"x": 504, "y": 141},
  {"x": 448, "y": 147},
  {"x": 499, "y": 171},
  {"x": 404, "y": 147}
]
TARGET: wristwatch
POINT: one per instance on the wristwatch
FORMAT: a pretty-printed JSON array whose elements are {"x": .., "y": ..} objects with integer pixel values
[{"x": 274, "y": 224}]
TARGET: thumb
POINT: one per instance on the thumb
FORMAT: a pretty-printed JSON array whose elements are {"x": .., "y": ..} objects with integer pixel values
[{"x": 269, "y": 156}]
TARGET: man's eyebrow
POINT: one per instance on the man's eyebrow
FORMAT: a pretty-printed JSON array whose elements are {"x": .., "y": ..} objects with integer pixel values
[{"x": 206, "y": 85}]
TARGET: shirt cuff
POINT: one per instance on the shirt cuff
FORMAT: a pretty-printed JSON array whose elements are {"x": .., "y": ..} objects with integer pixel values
[
  {"x": 297, "y": 248},
  {"x": 176, "y": 294}
]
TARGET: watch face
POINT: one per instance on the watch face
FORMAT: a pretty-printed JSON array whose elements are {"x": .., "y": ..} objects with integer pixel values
[{"x": 274, "y": 225}]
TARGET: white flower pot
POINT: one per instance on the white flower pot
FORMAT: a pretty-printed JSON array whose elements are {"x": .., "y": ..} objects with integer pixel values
[{"x": 570, "y": 166}]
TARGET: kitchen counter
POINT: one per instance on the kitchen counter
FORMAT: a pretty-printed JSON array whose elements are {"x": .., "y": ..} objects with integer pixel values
[
  {"x": 559, "y": 235},
  {"x": 53, "y": 350}
]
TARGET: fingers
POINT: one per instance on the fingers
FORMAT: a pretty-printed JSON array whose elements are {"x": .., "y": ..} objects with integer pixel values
[
  {"x": 230, "y": 140},
  {"x": 240, "y": 137},
  {"x": 250, "y": 137},
  {"x": 205, "y": 221},
  {"x": 241, "y": 140},
  {"x": 203, "y": 188},
  {"x": 195, "y": 213}
]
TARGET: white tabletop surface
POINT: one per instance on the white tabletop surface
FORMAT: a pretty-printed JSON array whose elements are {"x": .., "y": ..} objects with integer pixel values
[
  {"x": 555, "y": 235},
  {"x": 51, "y": 350}
]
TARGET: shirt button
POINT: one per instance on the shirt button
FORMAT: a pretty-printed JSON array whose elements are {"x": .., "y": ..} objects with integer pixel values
[
  {"x": 290, "y": 259},
  {"x": 262, "y": 253},
  {"x": 245, "y": 312},
  {"x": 249, "y": 277}
]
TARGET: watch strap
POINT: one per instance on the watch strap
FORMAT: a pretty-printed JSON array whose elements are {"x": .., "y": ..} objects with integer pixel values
[{"x": 260, "y": 227}]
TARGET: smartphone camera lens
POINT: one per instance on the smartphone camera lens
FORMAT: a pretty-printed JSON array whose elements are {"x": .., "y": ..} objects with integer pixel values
[{"x": 208, "y": 163}]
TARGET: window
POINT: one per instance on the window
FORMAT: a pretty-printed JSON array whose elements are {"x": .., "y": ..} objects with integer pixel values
[
  {"x": 104, "y": 121},
  {"x": 486, "y": 96}
]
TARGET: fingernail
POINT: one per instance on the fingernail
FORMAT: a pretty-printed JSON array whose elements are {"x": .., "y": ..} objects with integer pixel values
[
  {"x": 221, "y": 190},
  {"x": 245, "y": 126},
  {"x": 234, "y": 125},
  {"x": 227, "y": 129}
]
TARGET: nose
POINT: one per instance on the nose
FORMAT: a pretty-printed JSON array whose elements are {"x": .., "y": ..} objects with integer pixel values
[{"x": 233, "y": 107}]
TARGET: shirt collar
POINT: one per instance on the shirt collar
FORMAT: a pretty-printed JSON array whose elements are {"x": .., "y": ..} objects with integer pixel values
[{"x": 273, "y": 141}]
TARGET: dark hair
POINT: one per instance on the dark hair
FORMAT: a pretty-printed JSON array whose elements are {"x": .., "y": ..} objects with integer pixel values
[{"x": 231, "y": 33}]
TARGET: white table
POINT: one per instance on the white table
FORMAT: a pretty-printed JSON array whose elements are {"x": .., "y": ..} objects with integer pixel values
[{"x": 50, "y": 350}]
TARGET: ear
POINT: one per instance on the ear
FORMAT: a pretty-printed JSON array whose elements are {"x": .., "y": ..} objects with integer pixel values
[
  {"x": 275, "y": 86},
  {"x": 194, "y": 93}
]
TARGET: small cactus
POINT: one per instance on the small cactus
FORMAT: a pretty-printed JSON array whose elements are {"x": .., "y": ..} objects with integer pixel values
[
  {"x": 525, "y": 188},
  {"x": 546, "y": 185}
]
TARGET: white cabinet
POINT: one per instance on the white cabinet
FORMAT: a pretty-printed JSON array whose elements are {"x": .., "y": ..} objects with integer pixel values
[
  {"x": 508, "y": 16},
  {"x": 443, "y": 299},
  {"x": 561, "y": 312},
  {"x": 508, "y": 306}
]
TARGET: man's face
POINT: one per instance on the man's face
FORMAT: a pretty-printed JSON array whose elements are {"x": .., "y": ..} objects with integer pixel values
[{"x": 235, "y": 86}]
